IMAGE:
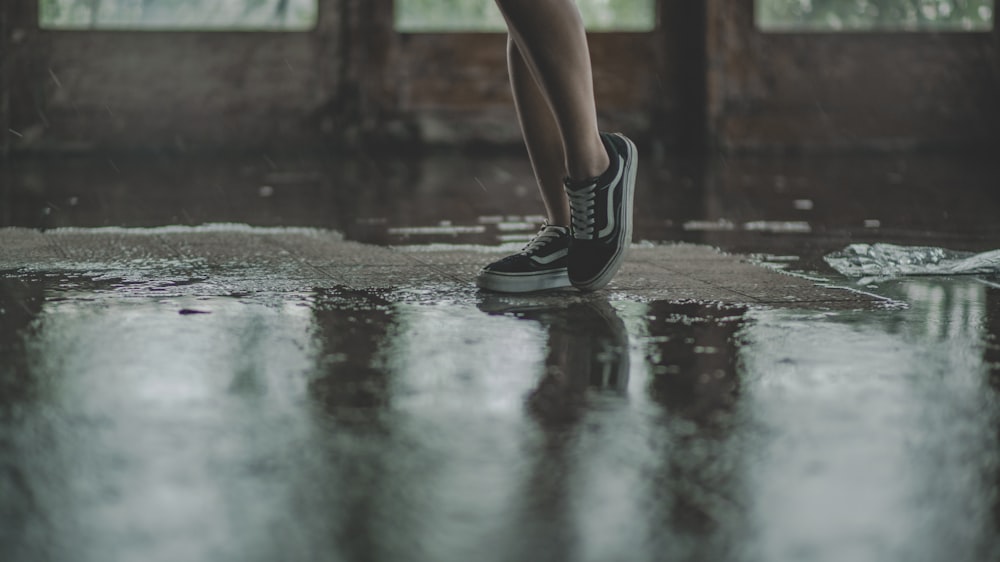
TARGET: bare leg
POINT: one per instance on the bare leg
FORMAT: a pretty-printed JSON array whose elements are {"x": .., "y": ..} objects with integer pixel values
[
  {"x": 541, "y": 136},
  {"x": 549, "y": 35},
  {"x": 549, "y": 62}
]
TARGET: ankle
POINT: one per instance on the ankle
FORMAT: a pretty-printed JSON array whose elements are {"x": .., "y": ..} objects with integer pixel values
[{"x": 595, "y": 165}]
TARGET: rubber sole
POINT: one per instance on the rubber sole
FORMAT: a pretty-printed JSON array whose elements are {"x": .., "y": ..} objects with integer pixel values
[{"x": 523, "y": 282}]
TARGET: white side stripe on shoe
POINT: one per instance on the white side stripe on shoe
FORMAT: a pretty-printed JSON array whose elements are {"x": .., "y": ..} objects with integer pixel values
[
  {"x": 550, "y": 258},
  {"x": 607, "y": 230}
]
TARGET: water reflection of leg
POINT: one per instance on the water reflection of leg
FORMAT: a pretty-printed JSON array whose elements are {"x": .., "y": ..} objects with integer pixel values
[{"x": 587, "y": 355}]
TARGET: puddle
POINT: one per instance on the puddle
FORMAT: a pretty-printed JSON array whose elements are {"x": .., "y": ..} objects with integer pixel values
[
  {"x": 169, "y": 410},
  {"x": 407, "y": 425},
  {"x": 261, "y": 418}
]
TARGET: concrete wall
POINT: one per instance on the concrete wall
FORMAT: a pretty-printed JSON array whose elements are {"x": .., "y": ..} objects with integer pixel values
[
  {"x": 705, "y": 74},
  {"x": 84, "y": 90},
  {"x": 351, "y": 78},
  {"x": 848, "y": 90}
]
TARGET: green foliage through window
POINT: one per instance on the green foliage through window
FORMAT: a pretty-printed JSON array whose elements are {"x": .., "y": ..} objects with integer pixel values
[
  {"x": 483, "y": 15},
  {"x": 277, "y": 15},
  {"x": 865, "y": 15}
]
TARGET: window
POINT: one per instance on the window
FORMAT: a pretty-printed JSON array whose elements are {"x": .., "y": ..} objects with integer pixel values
[
  {"x": 875, "y": 15},
  {"x": 483, "y": 15},
  {"x": 177, "y": 15}
]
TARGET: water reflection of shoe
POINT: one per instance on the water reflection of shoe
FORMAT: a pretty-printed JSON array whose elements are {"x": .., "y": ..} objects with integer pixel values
[
  {"x": 602, "y": 217},
  {"x": 541, "y": 265},
  {"x": 538, "y": 307},
  {"x": 587, "y": 350},
  {"x": 597, "y": 343}
]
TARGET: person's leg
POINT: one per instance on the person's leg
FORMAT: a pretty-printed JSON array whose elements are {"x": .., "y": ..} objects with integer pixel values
[
  {"x": 550, "y": 37},
  {"x": 541, "y": 137},
  {"x": 542, "y": 264},
  {"x": 549, "y": 62}
]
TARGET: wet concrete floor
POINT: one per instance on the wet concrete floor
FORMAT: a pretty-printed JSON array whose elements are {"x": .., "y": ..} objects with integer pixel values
[{"x": 281, "y": 392}]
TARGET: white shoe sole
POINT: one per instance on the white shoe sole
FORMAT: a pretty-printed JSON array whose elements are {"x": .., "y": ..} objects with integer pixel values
[{"x": 523, "y": 282}]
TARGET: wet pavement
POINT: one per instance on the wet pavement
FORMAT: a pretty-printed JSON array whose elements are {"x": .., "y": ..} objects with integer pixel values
[{"x": 280, "y": 391}]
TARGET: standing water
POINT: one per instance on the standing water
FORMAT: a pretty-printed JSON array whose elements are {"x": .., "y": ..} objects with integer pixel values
[{"x": 166, "y": 421}]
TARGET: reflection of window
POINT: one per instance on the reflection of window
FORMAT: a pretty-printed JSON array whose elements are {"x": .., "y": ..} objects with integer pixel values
[
  {"x": 483, "y": 15},
  {"x": 277, "y": 15},
  {"x": 862, "y": 15}
]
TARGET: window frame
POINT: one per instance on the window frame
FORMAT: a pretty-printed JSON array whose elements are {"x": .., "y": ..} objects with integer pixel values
[
  {"x": 310, "y": 28},
  {"x": 820, "y": 31},
  {"x": 654, "y": 24}
]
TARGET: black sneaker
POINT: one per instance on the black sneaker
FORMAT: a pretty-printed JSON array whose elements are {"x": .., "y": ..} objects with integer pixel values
[
  {"x": 602, "y": 217},
  {"x": 540, "y": 266}
]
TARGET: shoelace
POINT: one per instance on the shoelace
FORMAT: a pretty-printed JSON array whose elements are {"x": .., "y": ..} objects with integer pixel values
[
  {"x": 542, "y": 239},
  {"x": 581, "y": 203}
]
